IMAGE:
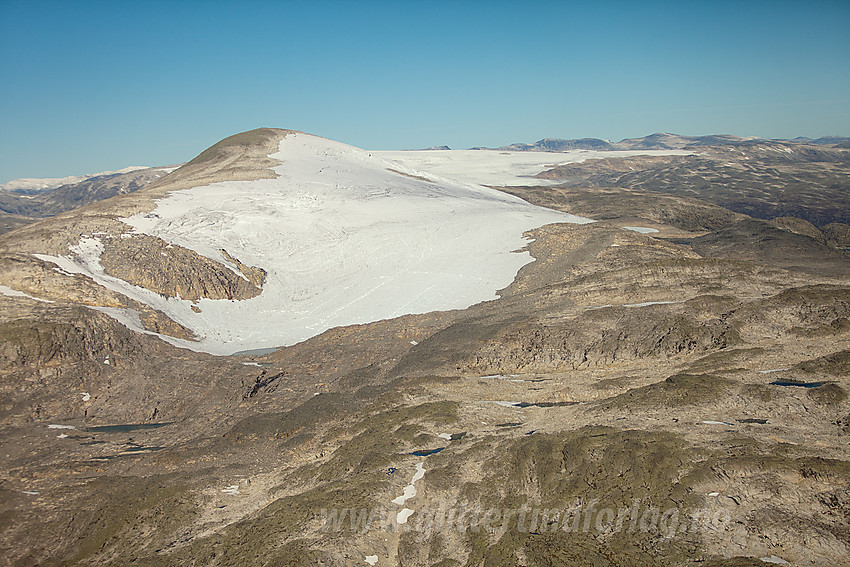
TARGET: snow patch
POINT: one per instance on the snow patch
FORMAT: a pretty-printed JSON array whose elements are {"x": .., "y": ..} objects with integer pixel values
[
  {"x": 641, "y": 229},
  {"x": 86, "y": 396},
  {"x": 648, "y": 303},
  {"x": 9, "y": 292},
  {"x": 409, "y": 491},
  {"x": 371, "y": 559},
  {"x": 633, "y": 305},
  {"x": 420, "y": 472},
  {"x": 774, "y": 559},
  {"x": 403, "y": 515},
  {"x": 56, "y": 426}
]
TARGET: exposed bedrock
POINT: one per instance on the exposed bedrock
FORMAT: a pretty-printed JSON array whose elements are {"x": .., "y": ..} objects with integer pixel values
[{"x": 172, "y": 271}]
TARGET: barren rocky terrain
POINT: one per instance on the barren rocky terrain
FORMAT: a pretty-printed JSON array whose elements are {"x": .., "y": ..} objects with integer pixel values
[
  {"x": 761, "y": 178},
  {"x": 667, "y": 397}
]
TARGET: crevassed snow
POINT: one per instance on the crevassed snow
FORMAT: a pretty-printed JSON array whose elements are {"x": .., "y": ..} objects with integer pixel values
[
  {"x": 500, "y": 168},
  {"x": 343, "y": 239}
]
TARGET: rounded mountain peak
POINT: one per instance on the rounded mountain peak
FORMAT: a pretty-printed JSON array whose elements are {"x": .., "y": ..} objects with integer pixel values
[{"x": 241, "y": 157}]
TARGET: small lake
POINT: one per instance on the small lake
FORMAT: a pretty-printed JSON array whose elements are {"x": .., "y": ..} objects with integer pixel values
[
  {"x": 427, "y": 452},
  {"x": 798, "y": 384},
  {"x": 126, "y": 427}
]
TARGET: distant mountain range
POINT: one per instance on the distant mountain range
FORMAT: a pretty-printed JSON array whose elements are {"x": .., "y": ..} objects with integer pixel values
[
  {"x": 30, "y": 186},
  {"x": 657, "y": 141},
  {"x": 25, "y": 200}
]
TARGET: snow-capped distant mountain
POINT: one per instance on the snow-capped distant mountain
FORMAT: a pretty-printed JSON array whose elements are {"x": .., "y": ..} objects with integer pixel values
[
  {"x": 560, "y": 145},
  {"x": 657, "y": 141},
  {"x": 29, "y": 186},
  {"x": 25, "y": 201}
]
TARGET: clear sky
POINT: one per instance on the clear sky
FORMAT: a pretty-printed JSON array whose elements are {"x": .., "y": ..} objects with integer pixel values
[{"x": 92, "y": 86}]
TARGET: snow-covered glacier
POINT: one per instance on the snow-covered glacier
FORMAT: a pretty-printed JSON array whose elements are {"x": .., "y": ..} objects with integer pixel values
[{"x": 345, "y": 237}]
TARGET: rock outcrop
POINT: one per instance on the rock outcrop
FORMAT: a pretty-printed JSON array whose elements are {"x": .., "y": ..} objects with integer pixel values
[{"x": 174, "y": 271}]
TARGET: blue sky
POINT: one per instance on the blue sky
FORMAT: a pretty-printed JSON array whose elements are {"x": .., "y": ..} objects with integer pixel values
[{"x": 91, "y": 86}]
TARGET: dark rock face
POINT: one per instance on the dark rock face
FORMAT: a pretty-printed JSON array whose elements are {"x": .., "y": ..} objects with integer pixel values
[
  {"x": 47, "y": 343},
  {"x": 837, "y": 234}
]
